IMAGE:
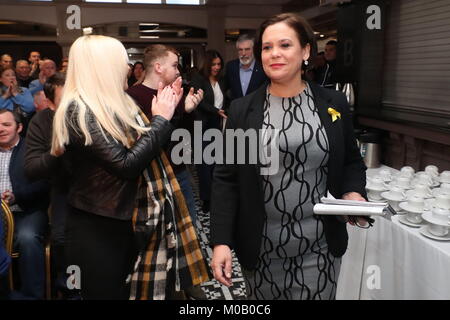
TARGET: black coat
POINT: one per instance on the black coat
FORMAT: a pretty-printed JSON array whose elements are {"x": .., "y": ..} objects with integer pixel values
[
  {"x": 205, "y": 111},
  {"x": 234, "y": 79},
  {"x": 237, "y": 200},
  {"x": 30, "y": 196}
]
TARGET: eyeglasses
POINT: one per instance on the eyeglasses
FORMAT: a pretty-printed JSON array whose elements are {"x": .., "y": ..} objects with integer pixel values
[{"x": 355, "y": 220}]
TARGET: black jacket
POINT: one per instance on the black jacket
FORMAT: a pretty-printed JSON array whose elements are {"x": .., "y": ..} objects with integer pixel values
[
  {"x": 39, "y": 163},
  {"x": 205, "y": 109},
  {"x": 237, "y": 200},
  {"x": 233, "y": 78},
  {"x": 105, "y": 174},
  {"x": 30, "y": 196}
]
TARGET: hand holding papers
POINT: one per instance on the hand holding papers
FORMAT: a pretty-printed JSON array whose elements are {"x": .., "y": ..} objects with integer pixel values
[{"x": 331, "y": 206}]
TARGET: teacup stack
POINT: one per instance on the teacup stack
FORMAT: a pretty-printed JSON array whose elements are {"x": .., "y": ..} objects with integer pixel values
[
  {"x": 444, "y": 177},
  {"x": 439, "y": 221},
  {"x": 375, "y": 186},
  {"x": 414, "y": 208},
  {"x": 403, "y": 178},
  {"x": 444, "y": 188},
  {"x": 394, "y": 196}
]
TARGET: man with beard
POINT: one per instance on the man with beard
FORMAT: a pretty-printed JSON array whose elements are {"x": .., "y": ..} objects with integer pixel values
[{"x": 244, "y": 75}]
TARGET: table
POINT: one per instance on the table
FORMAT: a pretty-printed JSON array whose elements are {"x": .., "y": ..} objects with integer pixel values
[{"x": 393, "y": 261}]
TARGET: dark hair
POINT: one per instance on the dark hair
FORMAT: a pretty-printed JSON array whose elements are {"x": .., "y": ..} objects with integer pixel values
[
  {"x": 3, "y": 69},
  {"x": 56, "y": 80},
  {"x": 210, "y": 55},
  {"x": 18, "y": 118},
  {"x": 332, "y": 42},
  {"x": 304, "y": 32},
  {"x": 134, "y": 66}
]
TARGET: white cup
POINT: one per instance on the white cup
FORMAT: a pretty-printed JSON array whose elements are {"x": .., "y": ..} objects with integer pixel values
[
  {"x": 375, "y": 187},
  {"x": 443, "y": 216},
  {"x": 376, "y": 183},
  {"x": 433, "y": 170},
  {"x": 408, "y": 175},
  {"x": 437, "y": 230},
  {"x": 423, "y": 178},
  {"x": 421, "y": 190},
  {"x": 385, "y": 174},
  {"x": 396, "y": 193},
  {"x": 407, "y": 169},
  {"x": 444, "y": 177},
  {"x": 442, "y": 201},
  {"x": 444, "y": 188},
  {"x": 414, "y": 217},
  {"x": 415, "y": 203},
  {"x": 403, "y": 182}
]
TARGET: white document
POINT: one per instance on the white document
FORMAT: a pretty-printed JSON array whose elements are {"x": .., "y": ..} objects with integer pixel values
[{"x": 332, "y": 206}]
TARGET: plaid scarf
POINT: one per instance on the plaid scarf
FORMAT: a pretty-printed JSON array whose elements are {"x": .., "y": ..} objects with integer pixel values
[{"x": 166, "y": 239}]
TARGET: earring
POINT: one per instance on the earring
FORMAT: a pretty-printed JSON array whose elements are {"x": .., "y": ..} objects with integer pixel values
[{"x": 306, "y": 62}]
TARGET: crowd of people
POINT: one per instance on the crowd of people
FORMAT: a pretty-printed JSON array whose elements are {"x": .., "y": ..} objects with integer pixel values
[{"x": 90, "y": 156}]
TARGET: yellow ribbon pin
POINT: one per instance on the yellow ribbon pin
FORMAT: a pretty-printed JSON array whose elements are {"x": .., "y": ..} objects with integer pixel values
[{"x": 334, "y": 114}]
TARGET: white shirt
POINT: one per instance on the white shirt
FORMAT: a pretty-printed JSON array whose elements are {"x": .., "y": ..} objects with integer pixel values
[{"x": 218, "y": 95}]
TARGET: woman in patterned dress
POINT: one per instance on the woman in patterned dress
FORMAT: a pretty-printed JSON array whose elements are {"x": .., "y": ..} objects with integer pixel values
[{"x": 287, "y": 252}]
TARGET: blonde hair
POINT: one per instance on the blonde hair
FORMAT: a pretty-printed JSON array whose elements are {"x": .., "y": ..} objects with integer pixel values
[{"x": 96, "y": 73}]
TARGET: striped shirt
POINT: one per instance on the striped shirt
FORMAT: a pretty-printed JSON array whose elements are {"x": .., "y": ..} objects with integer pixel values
[{"x": 5, "y": 181}]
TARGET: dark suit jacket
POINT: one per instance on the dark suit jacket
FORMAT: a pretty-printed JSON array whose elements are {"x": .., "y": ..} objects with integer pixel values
[
  {"x": 234, "y": 80},
  {"x": 205, "y": 111},
  {"x": 30, "y": 196},
  {"x": 237, "y": 199}
]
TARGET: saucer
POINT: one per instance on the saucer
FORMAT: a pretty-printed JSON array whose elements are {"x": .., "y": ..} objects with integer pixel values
[
  {"x": 402, "y": 219},
  {"x": 410, "y": 193},
  {"x": 425, "y": 232},
  {"x": 386, "y": 196},
  {"x": 428, "y": 216},
  {"x": 406, "y": 207}
]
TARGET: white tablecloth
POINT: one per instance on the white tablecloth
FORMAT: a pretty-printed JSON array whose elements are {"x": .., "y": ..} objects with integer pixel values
[{"x": 409, "y": 265}]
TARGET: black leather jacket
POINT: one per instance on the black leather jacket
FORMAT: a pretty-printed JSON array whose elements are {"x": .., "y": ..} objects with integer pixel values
[{"x": 105, "y": 174}]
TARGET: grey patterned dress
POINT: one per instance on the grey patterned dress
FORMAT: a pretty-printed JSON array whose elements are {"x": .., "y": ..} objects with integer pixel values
[{"x": 294, "y": 262}]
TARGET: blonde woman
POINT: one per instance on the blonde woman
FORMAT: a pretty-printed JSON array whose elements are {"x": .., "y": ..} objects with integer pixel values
[{"x": 96, "y": 128}]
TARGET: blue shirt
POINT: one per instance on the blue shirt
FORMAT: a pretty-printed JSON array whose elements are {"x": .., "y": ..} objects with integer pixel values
[
  {"x": 35, "y": 86},
  {"x": 23, "y": 99},
  {"x": 245, "y": 75}
]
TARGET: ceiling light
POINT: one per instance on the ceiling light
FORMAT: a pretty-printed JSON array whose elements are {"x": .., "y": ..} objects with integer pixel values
[{"x": 149, "y": 37}]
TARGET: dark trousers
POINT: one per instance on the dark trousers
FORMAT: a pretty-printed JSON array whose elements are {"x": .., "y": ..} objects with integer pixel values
[
  {"x": 104, "y": 250},
  {"x": 183, "y": 178},
  {"x": 30, "y": 230},
  {"x": 205, "y": 171},
  {"x": 59, "y": 211}
]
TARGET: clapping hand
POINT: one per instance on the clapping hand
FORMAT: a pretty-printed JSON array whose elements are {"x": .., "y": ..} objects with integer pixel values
[
  {"x": 8, "y": 197},
  {"x": 178, "y": 89},
  {"x": 165, "y": 102},
  {"x": 192, "y": 100}
]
